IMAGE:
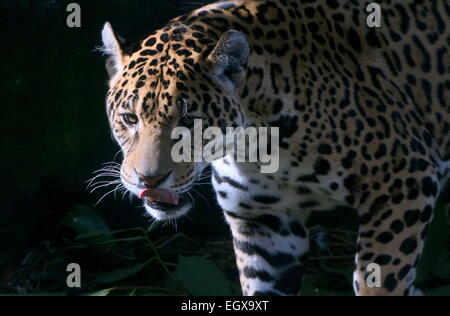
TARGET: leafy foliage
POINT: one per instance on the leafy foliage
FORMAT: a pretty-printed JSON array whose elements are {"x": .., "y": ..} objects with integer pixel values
[
  {"x": 202, "y": 277},
  {"x": 136, "y": 261}
]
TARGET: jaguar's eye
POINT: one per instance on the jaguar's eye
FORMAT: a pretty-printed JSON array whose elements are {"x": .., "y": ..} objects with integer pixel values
[
  {"x": 130, "y": 119},
  {"x": 182, "y": 105}
]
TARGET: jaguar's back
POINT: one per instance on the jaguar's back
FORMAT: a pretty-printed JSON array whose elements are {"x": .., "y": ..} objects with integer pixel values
[
  {"x": 415, "y": 43},
  {"x": 410, "y": 48}
]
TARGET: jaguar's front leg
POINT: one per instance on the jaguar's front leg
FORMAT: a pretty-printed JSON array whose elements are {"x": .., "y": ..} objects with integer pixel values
[
  {"x": 270, "y": 252},
  {"x": 392, "y": 234}
]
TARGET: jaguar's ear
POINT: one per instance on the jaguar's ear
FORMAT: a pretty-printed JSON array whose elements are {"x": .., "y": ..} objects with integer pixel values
[
  {"x": 112, "y": 46},
  {"x": 229, "y": 58}
]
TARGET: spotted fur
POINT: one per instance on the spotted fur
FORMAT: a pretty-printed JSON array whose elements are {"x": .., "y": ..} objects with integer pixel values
[{"x": 364, "y": 117}]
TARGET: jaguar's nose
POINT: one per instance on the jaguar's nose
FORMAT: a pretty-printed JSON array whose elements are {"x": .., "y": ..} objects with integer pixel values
[{"x": 151, "y": 181}]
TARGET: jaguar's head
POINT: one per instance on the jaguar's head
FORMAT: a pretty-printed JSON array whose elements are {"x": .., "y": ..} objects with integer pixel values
[{"x": 174, "y": 76}]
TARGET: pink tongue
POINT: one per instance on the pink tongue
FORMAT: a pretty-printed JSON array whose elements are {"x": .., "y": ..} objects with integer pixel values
[{"x": 160, "y": 195}]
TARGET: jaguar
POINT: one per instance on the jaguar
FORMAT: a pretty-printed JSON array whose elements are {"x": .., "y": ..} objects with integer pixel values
[{"x": 363, "y": 114}]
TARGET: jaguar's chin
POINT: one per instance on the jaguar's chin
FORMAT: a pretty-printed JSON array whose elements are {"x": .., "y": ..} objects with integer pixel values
[{"x": 163, "y": 211}]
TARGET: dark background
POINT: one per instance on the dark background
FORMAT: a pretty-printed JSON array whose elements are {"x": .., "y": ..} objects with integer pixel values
[
  {"x": 54, "y": 135},
  {"x": 54, "y": 131}
]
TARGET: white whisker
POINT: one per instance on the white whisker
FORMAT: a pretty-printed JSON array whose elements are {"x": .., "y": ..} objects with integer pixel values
[
  {"x": 105, "y": 185},
  {"x": 104, "y": 197}
]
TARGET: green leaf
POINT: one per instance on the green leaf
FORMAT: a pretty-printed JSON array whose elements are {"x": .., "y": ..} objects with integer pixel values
[
  {"x": 237, "y": 290},
  {"x": 172, "y": 284},
  {"x": 101, "y": 293},
  {"x": 202, "y": 277},
  {"x": 120, "y": 274},
  {"x": 443, "y": 266},
  {"x": 91, "y": 235},
  {"x": 435, "y": 244},
  {"x": 154, "y": 226},
  {"x": 440, "y": 291},
  {"x": 84, "y": 220}
]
